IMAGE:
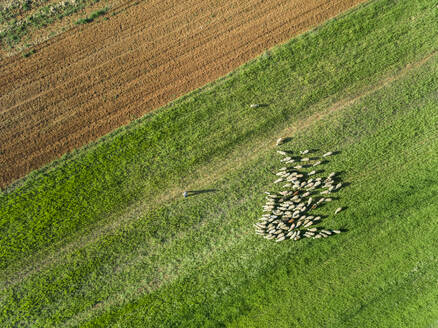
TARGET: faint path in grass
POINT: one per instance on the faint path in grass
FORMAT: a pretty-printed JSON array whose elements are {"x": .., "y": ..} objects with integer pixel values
[{"x": 348, "y": 101}]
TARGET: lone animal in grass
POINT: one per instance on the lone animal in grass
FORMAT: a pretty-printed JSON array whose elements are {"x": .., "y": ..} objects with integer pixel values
[{"x": 280, "y": 141}]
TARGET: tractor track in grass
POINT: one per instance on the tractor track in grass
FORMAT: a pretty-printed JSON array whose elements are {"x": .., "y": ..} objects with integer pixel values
[{"x": 95, "y": 78}]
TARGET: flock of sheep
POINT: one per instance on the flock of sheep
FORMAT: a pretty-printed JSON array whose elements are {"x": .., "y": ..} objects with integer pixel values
[{"x": 288, "y": 211}]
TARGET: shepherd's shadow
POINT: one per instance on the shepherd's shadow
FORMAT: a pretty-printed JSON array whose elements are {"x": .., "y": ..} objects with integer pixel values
[{"x": 189, "y": 193}]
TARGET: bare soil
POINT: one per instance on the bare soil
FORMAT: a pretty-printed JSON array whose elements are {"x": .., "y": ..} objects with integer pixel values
[{"x": 97, "y": 77}]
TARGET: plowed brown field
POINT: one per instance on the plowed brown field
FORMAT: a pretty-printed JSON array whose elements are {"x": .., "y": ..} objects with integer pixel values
[{"x": 95, "y": 78}]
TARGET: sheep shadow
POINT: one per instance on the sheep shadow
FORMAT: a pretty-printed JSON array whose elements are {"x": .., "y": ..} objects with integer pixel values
[{"x": 258, "y": 105}]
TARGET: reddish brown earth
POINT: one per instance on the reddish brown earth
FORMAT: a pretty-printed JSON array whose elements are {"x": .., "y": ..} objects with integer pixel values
[{"x": 94, "y": 78}]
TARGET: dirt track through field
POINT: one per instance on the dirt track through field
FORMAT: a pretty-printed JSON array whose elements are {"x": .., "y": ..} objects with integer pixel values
[{"x": 97, "y": 77}]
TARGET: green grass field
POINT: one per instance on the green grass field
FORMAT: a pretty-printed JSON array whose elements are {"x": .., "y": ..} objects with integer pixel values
[{"x": 103, "y": 237}]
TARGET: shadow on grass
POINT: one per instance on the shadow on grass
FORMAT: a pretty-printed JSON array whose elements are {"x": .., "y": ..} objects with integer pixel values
[
  {"x": 189, "y": 193},
  {"x": 258, "y": 105}
]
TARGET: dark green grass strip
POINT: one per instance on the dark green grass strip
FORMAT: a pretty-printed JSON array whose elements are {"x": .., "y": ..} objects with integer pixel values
[
  {"x": 92, "y": 17},
  {"x": 340, "y": 57},
  {"x": 203, "y": 266}
]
